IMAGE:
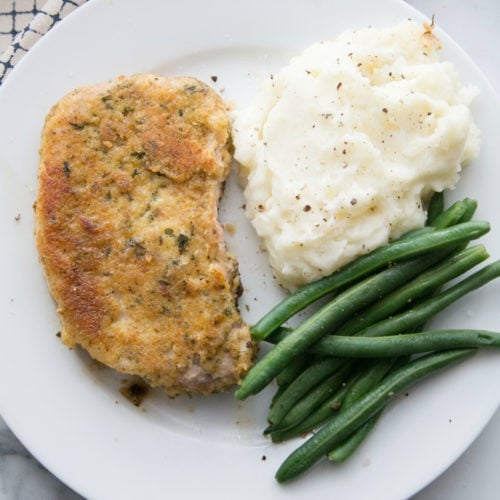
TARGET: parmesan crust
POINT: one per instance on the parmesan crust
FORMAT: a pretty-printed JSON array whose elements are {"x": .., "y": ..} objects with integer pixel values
[{"x": 130, "y": 177}]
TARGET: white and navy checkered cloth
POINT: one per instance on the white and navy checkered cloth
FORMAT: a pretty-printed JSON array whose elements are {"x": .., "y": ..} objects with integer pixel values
[{"x": 23, "y": 23}]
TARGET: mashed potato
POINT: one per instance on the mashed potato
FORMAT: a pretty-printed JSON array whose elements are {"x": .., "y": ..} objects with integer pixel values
[{"x": 340, "y": 151}]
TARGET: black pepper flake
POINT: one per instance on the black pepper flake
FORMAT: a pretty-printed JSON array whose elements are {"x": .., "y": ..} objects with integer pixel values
[
  {"x": 354, "y": 201},
  {"x": 339, "y": 85},
  {"x": 66, "y": 169},
  {"x": 307, "y": 208},
  {"x": 264, "y": 458},
  {"x": 385, "y": 110},
  {"x": 214, "y": 78}
]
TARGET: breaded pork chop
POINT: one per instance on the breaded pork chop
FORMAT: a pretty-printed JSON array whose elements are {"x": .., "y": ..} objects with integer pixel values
[{"x": 130, "y": 176}]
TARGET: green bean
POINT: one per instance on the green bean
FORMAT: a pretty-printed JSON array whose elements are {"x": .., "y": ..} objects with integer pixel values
[
  {"x": 294, "y": 369},
  {"x": 320, "y": 414},
  {"x": 281, "y": 389},
  {"x": 414, "y": 233},
  {"x": 460, "y": 211},
  {"x": 372, "y": 374},
  {"x": 470, "y": 210},
  {"x": 328, "y": 317},
  {"x": 442, "y": 218},
  {"x": 422, "y": 285},
  {"x": 416, "y": 316},
  {"x": 430, "y": 240},
  {"x": 451, "y": 215},
  {"x": 345, "y": 449},
  {"x": 435, "y": 206},
  {"x": 306, "y": 405},
  {"x": 279, "y": 334},
  {"x": 310, "y": 377},
  {"x": 357, "y": 385},
  {"x": 335, "y": 431},
  {"x": 408, "y": 343},
  {"x": 378, "y": 370},
  {"x": 408, "y": 321},
  {"x": 327, "y": 346}
]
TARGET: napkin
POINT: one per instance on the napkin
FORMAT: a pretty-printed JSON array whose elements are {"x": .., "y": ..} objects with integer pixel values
[{"x": 23, "y": 23}]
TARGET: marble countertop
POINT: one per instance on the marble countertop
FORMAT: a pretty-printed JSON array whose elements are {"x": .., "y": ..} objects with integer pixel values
[{"x": 474, "y": 25}]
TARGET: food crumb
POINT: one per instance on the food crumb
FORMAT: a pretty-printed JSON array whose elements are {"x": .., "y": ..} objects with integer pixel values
[
  {"x": 366, "y": 462},
  {"x": 17, "y": 218},
  {"x": 230, "y": 228},
  {"x": 214, "y": 78},
  {"x": 135, "y": 392}
]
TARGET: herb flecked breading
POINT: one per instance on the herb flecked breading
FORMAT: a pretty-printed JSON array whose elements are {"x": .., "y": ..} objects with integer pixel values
[{"x": 130, "y": 178}]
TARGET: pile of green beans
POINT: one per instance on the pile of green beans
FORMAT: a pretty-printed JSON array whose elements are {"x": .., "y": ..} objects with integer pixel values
[{"x": 339, "y": 368}]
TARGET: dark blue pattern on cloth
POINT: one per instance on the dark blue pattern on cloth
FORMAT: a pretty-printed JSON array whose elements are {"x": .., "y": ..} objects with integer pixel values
[{"x": 23, "y": 23}]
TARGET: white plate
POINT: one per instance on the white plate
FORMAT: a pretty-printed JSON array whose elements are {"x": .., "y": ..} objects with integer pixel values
[{"x": 70, "y": 413}]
